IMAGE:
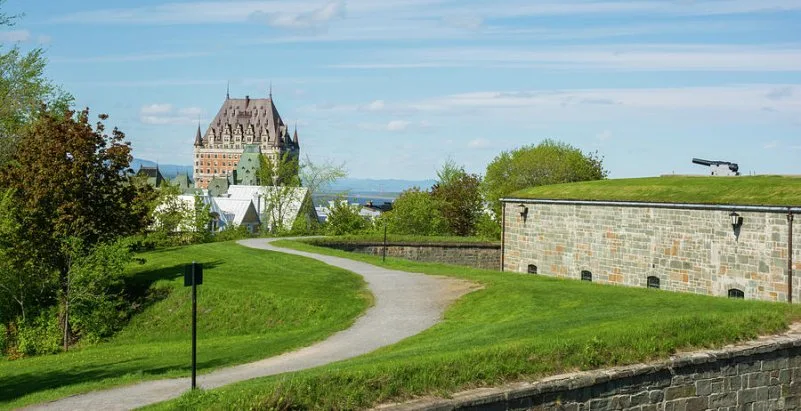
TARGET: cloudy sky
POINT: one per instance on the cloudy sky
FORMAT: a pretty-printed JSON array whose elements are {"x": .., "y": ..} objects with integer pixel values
[{"x": 395, "y": 87}]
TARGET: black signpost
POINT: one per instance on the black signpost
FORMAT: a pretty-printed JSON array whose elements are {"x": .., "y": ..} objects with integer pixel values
[
  {"x": 193, "y": 276},
  {"x": 384, "y": 253}
]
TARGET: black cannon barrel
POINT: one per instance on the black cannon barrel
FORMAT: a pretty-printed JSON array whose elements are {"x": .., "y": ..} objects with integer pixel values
[{"x": 703, "y": 162}]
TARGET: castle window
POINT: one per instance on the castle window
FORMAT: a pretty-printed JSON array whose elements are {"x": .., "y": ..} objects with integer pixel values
[
  {"x": 735, "y": 293},
  {"x": 652, "y": 282},
  {"x": 207, "y": 171},
  {"x": 586, "y": 275},
  {"x": 532, "y": 269}
]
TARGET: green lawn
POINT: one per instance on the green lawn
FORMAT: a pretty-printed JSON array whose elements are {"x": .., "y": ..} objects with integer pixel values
[
  {"x": 395, "y": 238},
  {"x": 253, "y": 304},
  {"x": 756, "y": 190},
  {"x": 517, "y": 327}
]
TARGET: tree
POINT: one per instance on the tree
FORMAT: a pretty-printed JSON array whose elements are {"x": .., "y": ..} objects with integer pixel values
[
  {"x": 315, "y": 176},
  {"x": 344, "y": 218},
  {"x": 458, "y": 194},
  {"x": 23, "y": 90},
  {"x": 70, "y": 181},
  {"x": 170, "y": 213},
  {"x": 549, "y": 162},
  {"x": 416, "y": 212}
]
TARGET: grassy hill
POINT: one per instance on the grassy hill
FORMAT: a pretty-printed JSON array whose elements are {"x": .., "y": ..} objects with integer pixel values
[
  {"x": 517, "y": 327},
  {"x": 756, "y": 190},
  {"x": 253, "y": 304}
]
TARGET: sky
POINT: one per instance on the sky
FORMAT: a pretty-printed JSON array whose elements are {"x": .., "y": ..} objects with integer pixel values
[{"x": 394, "y": 88}]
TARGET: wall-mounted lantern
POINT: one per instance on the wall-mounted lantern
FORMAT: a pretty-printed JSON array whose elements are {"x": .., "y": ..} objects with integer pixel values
[
  {"x": 523, "y": 210},
  {"x": 736, "y": 220}
]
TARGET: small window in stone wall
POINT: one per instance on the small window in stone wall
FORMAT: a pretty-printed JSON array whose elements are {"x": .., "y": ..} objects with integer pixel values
[
  {"x": 532, "y": 269},
  {"x": 653, "y": 282},
  {"x": 735, "y": 293},
  {"x": 586, "y": 275}
]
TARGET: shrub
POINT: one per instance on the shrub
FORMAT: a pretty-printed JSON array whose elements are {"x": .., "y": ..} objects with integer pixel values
[
  {"x": 41, "y": 334},
  {"x": 417, "y": 212},
  {"x": 487, "y": 227},
  {"x": 3, "y": 339},
  {"x": 344, "y": 218},
  {"x": 232, "y": 232}
]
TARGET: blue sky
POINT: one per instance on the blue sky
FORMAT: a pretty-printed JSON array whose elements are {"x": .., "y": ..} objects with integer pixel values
[{"x": 395, "y": 87}]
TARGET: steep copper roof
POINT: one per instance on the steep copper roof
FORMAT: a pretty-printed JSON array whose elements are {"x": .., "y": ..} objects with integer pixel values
[{"x": 244, "y": 113}]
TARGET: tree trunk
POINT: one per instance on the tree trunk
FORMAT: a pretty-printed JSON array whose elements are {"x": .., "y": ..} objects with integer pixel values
[{"x": 65, "y": 290}]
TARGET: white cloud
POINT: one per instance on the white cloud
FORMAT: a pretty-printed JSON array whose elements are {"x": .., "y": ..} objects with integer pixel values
[
  {"x": 130, "y": 57},
  {"x": 469, "y": 22},
  {"x": 44, "y": 39},
  {"x": 375, "y": 105},
  {"x": 604, "y": 135},
  {"x": 162, "y": 114},
  {"x": 156, "y": 109},
  {"x": 312, "y": 19},
  {"x": 397, "y": 125},
  {"x": 771, "y": 145},
  {"x": 735, "y": 97},
  {"x": 634, "y": 57},
  {"x": 387, "y": 11},
  {"x": 478, "y": 143},
  {"x": 15, "y": 36}
]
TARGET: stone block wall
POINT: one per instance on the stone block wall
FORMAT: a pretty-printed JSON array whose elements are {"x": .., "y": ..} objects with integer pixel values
[
  {"x": 486, "y": 256},
  {"x": 758, "y": 375},
  {"x": 687, "y": 250}
]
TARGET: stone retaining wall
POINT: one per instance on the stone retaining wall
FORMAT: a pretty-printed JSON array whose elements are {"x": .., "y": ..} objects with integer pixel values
[
  {"x": 486, "y": 256},
  {"x": 688, "y": 250},
  {"x": 759, "y": 375}
]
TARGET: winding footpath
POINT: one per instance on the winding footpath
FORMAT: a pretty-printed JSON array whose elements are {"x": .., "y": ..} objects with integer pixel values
[{"x": 405, "y": 304}]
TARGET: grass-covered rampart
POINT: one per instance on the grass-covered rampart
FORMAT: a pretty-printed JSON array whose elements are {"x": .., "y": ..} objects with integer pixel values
[
  {"x": 517, "y": 327},
  {"x": 755, "y": 190}
]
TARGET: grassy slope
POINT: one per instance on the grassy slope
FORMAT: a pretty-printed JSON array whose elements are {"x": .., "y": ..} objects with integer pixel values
[
  {"x": 517, "y": 327},
  {"x": 757, "y": 190},
  {"x": 395, "y": 238},
  {"x": 253, "y": 304}
]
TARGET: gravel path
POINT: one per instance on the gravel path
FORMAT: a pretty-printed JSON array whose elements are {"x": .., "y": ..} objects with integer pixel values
[{"x": 405, "y": 304}]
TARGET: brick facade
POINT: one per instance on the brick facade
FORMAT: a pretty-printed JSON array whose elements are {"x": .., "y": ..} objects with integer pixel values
[{"x": 688, "y": 250}]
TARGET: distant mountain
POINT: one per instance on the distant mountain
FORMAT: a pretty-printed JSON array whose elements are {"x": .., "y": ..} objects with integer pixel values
[
  {"x": 377, "y": 186},
  {"x": 167, "y": 170}
]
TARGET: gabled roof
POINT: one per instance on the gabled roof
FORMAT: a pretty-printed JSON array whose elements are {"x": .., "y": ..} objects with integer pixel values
[
  {"x": 153, "y": 174},
  {"x": 235, "y": 209},
  {"x": 291, "y": 199},
  {"x": 245, "y": 112}
]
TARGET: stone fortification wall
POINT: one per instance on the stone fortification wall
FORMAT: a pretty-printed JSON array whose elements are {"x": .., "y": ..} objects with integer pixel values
[
  {"x": 687, "y": 250},
  {"x": 758, "y": 375},
  {"x": 486, "y": 256}
]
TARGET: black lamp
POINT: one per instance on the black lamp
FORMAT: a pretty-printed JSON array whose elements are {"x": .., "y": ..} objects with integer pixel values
[
  {"x": 735, "y": 219},
  {"x": 523, "y": 210}
]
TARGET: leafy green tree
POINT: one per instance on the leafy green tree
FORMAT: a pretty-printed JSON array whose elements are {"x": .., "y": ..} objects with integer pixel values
[
  {"x": 344, "y": 218},
  {"x": 94, "y": 293},
  {"x": 170, "y": 213},
  {"x": 458, "y": 194},
  {"x": 202, "y": 220},
  {"x": 549, "y": 162},
  {"x": 23, "y": 91},
  {"x": 416, "y": 212},
  {"x": 69, "y": 180}
]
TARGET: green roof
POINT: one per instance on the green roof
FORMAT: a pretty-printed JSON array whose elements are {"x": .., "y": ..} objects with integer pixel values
[{"x": 756, "y": 190}]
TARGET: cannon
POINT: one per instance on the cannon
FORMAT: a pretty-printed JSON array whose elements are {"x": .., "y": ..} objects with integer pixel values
[{"x": 719, "y": 168}]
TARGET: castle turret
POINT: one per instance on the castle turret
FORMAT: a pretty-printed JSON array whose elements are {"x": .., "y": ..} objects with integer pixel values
[
  {"x": 198, "y": 138},
  {"x": 295, "y": 136}
]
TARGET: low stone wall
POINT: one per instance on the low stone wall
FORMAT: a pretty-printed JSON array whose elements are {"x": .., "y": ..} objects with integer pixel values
[
  {"x": 481, "y": 255},
  {"x": 760, "y": 375}
]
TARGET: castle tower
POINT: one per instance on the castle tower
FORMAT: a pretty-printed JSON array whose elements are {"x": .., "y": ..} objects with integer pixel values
[{"x": 240, "y": 122}]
